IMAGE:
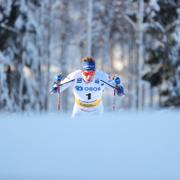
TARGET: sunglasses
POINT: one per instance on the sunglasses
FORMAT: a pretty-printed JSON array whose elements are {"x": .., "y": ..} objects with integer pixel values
[{"x": 88, "y": 73}]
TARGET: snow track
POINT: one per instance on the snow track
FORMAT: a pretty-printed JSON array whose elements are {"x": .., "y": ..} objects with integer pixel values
[{"x": 127, "y": 146}]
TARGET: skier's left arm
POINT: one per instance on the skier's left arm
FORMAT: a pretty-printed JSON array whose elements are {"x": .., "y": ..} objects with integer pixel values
[
  {"x": 113, "y": 84},
  {"x": 118, "y": 86}
]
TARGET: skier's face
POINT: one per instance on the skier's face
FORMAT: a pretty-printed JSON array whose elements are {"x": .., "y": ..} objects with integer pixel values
[{"x": 88, "y": 76}]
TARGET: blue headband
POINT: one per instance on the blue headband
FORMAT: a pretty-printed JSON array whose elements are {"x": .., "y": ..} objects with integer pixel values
[{"x": 88, "y": 66}]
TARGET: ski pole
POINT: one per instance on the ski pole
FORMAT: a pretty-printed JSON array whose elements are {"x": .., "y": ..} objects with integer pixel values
[
  {"x": 117, "y": 82},
  {"x": 59, "y": 98},
  {"x": 114, "y": 99},
  {"x": 58, "y": 80}
]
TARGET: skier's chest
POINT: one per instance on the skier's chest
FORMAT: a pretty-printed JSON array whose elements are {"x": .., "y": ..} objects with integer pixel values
[{"x": 81, "y": 87}]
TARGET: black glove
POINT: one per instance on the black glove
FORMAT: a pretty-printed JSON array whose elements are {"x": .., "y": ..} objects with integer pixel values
[
  {"x": 120, "y": 90},
  {"x": 55, "y": 87}
]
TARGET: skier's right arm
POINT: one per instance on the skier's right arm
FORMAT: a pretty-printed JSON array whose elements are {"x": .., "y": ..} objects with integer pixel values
[{"x": 64, "y": 84}]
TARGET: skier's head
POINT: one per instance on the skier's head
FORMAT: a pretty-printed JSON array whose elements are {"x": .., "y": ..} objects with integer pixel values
[{"x": 88, "y": 68}]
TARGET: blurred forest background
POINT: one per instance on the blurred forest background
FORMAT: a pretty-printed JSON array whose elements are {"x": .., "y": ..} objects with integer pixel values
[{"x": 137, "y": 39}]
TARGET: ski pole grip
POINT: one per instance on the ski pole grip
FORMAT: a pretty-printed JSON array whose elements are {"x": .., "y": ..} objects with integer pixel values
[
  {"x": 117, "y": 81},
  {"x": 58, "y": 78}
]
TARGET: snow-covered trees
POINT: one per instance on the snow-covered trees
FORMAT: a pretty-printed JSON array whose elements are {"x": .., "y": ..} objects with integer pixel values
[
  {"x": 163, "y": 50},
  {"x": 39, "y": 39},
  {"x": 18, "y": 50}
]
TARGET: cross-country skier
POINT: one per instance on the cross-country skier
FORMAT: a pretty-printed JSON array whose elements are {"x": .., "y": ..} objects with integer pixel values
[{"x": 88, "y": 85}]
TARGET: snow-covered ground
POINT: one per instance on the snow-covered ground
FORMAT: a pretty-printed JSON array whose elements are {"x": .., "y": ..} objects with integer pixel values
[{"x": 126, "y": 146}]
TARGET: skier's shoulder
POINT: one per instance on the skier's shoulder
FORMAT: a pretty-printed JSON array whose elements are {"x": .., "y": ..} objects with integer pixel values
[
  {"x": 75, "y": 74},
  {"x": 100, "y": 72},
  {"x": 102, "y": 75},
  {"x": 71, "y": 76}
]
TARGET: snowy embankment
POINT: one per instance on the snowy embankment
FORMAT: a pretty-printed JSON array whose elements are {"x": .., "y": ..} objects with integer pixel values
[{"x": 127, "y": 146}]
